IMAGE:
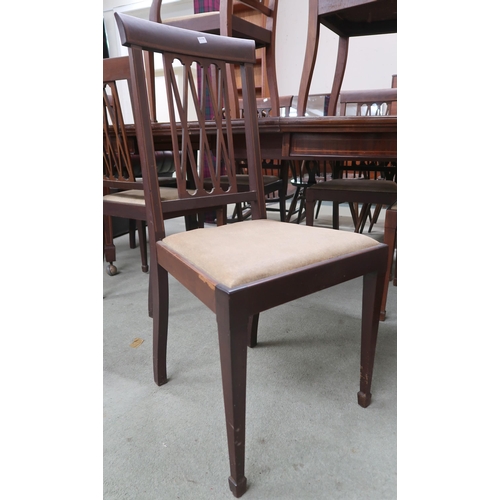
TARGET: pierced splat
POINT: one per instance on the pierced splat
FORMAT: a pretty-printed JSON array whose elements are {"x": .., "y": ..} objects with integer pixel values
[
  {"x": 213, "y": 147},
  {"x": 117, "y": 163}
]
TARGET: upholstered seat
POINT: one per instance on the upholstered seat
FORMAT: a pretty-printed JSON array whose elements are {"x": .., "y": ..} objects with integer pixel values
[{"x": 289, "y": 247}]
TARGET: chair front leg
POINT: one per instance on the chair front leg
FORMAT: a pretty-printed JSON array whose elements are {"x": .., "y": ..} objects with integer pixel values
[
  {"x": 233, "y": 341},
  {"x": 159, "y": 303},
  {"x": 373, "y": 285}
]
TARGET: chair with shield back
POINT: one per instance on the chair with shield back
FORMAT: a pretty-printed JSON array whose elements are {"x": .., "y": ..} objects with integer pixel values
[
  {"x": 367, "y": 183},
  {"x": 252, "y": 20},
  {"x": 282, "y": 262}
]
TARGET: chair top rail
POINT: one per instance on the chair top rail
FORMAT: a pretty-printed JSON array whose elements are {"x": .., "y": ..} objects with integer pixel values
[
  {"x": 153, "y": 37},
  {"x": 364, "y": 96}
]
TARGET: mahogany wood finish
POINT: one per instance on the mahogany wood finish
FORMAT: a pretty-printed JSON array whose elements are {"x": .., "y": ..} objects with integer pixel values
[
  {"x": 346, "y": 18},
  {"x": 304, "y": 138},
  {"x": 236, "y": 304},
  {"x": 123, "y": 192},
  {"x": 117, "y": 161}
]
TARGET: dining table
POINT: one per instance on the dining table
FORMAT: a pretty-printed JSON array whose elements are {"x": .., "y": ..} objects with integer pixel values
[
  {"x": 317, "y": 138},
  {"x": 304, "y": 138}
]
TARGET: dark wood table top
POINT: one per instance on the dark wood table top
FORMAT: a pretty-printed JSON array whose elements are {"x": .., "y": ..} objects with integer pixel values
[
  {"x": 323, "y": 137},
  {"x": 358, "y": 17}
]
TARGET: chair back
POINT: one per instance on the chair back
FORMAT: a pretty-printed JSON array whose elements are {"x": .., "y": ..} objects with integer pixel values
[
  {"x": 378, "y": 102},
  {"x": 117, "y": 162},
  {"x": 194, "y": 142}
]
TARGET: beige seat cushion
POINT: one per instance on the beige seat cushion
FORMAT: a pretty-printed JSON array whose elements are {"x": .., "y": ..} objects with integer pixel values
[
  {"x": 136, "y": 196},
  {"x": 243, "y": 252},
  {"x": 357, "y": 185}
]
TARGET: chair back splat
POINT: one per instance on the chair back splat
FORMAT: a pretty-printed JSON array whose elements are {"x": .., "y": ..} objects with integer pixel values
[
  {"x": 237, "y": 270},
  {"x": 118, "y": 171}
]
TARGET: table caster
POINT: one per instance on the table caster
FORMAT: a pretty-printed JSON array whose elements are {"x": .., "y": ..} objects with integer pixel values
[{"x": 111, "y": 269}]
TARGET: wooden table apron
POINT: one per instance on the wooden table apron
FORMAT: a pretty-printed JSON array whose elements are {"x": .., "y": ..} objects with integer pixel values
[{"x": 307, "y": 138}]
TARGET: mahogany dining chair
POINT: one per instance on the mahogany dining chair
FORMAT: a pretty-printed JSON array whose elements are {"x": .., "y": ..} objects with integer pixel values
[
  {"x": 282, "y": 262},
  {"x": 122, "y": 182}
]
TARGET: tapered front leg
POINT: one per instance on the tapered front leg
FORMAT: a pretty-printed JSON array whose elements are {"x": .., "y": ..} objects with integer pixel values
[
  {"x": 373, "y": 284},
  {"x": 233, "y": 340},
  {"x": 158, "y": 286}
]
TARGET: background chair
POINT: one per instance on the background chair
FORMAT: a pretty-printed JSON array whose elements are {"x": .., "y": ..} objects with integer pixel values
[
  {"x": 371, "y": 187},
  {"x": 346, "y": 19},
  {"x": 123, "y": 184},
  {"x": 164, "y": 165},
  {"x": 119, "y": 171},
  {"x": 248, "y": 19},
  {"x": 209, "y": 262}
]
